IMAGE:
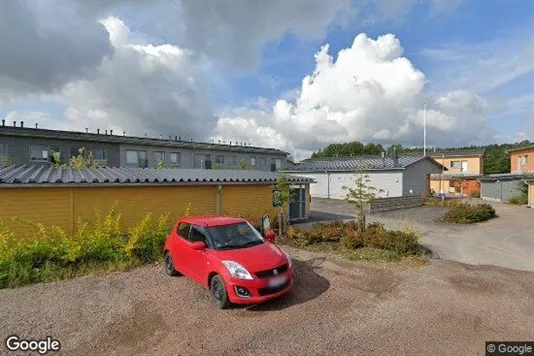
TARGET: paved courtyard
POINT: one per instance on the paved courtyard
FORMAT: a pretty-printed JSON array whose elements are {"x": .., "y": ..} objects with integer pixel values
[{"x": 507, "y": 241}]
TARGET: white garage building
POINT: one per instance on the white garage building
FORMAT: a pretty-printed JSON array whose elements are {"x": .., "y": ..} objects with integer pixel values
[{"x": 396, "y": 176}]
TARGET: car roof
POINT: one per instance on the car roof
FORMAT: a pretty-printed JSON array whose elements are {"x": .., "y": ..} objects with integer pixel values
[{"x": 211, "y": 220}]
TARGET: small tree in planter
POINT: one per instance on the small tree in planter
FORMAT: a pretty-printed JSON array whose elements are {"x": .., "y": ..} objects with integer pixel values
[
  {"x": 80, "y": 161},
  {"x": 283, "y": 185},
  {"x": 362, "y": 195}
]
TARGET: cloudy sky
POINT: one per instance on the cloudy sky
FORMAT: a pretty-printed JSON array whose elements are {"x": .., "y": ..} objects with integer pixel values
[{"x": 291, "y": 74}]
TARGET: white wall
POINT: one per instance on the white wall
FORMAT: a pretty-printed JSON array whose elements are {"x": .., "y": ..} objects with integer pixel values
[{"x": 330, "y": 185}]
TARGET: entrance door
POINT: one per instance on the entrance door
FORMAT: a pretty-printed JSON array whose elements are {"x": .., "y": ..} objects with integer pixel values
[{"x": 297, "y": 202}]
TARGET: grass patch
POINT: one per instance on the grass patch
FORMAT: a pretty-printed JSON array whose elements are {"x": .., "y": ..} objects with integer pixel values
[
  {"x": 467, "y": 213},
  {"x": 519, "y": 200},
  {"x": 370, "y": 254},
  {"x": 96, "y": 246},
  {"x": 375, "y": 243}
]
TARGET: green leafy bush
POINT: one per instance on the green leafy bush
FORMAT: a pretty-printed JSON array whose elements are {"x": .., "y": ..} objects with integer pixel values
[
  {"x": 51, "y": 254},
  {"x": 467, "y": 213},
  {"x": 519, "y": 200},
  {"x": 375, "y": 236},
  {"x": 475, "y": 194}
]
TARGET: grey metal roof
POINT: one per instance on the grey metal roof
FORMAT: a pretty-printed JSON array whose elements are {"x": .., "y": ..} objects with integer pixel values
[
  {"x": 529, "y": 147},
  {"x": 343, "y": 164},
  {"x": 454, "y": 175},
  {"x": 456, "y": 152},
  {"x": 148, "y": 141},
  {"x": 508, "y": 176},
  {"x": 49, "y": 175}
]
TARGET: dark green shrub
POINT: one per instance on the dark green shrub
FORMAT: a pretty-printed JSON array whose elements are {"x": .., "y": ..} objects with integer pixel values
[
  {"x": 519, "y": 200},
  {"x": 467, "y": 213},
  {"x": 475, "y": 194}
]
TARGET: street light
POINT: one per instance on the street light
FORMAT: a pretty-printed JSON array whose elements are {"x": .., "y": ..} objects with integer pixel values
[{"x": 424, "y": 128}]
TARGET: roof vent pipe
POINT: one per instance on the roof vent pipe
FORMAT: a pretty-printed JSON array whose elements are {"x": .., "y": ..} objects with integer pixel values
[
  {"x": 14, "y": 124},
  {"x": 3, "y": 122},
  {"x": 179, "y": 138},
  {"x": 123, "y": 133},
  {"x": 22, "y": 124},
  {"x": 36, "y": 124},
  {"x": 86, "y": 130},
  {"x": 175, "y": 138},
  {"x": 191, "y": 139},
  {"x": 98, "y": 131},
  {"x": 106, "y": 132},
  {"x": 160, "y": 136},
  {"x": 111, "y": 132}
]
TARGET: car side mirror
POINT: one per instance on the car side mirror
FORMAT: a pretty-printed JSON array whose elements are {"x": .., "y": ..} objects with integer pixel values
[
  {"x": 198, "y": 245},
  {"x": 270, "y": 235}
]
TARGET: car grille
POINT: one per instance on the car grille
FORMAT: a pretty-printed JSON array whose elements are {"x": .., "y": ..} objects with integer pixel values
[
  {"x": 272, "y": 290},
  {"x": 270, "y": 272}
]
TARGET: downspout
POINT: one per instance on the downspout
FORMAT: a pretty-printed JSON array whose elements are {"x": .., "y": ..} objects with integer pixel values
[
  {"x": 328, "y": 185},
  {"x": 219, "y": 190}
]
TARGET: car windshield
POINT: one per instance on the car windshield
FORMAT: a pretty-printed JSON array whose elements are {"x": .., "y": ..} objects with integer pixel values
[{"x": 234, "y": 236}]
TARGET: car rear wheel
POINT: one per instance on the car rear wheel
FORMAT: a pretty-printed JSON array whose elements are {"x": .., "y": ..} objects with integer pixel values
[
  {"x": 218, "y": 292},
  {"x": 169, "y": 265}
]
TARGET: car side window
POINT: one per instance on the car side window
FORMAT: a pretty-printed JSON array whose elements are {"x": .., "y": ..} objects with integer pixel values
[
  {"x": 197, "y": 234},
  {"x": 183, "y": 230}
]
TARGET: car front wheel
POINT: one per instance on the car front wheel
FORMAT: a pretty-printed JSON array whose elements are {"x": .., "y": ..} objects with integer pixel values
[
  {"x": 169, "y": 265},
  {"x": 218, "y": 292}
]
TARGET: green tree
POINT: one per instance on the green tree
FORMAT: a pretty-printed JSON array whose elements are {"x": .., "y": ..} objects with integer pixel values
[
  {"x": 80, "y": 161},
  {"x": 282, "y": 183},
  {"x": 160, "y": 165},
  {"x": 361, "y": 196},
  {"x": 242, "y": 164}
]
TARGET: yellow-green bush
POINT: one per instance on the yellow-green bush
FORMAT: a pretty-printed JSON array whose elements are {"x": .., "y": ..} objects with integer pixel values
[{"x": 51, "y": 254}]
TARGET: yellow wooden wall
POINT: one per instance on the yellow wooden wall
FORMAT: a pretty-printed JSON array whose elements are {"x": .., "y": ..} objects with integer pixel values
[
  {"x": 531, "y": 193},
  {"x": 62, "y": 207}
]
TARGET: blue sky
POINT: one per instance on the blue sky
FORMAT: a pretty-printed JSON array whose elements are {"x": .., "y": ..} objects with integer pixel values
[{"x": 477, "y": 58}]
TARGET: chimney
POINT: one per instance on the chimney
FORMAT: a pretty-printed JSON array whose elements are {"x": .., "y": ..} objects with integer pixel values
[
  {"x": 3, "y": 122},
  {"x": 106, "y": 132},
  {"x": 86, "y": 130},
  {"x": 22, "y": 124},
  {"x": 123, "y": 133},
  {"x": 98, "y": 131},
  {"x": 36, "y": 124},
  {"x": 395, "y": 157},
  {"x": 230, "y": 143},
  {"x": 384, "y": 158},
  {"x": 111, "y": 132},
  {"x": 14, "y": 124}
]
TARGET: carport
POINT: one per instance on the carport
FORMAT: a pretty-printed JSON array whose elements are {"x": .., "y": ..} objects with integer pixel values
[{"x": 502, "y": 187}]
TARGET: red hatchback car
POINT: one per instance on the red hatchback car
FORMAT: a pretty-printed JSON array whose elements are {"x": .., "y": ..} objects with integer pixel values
[{"x": 230, "y": 257}]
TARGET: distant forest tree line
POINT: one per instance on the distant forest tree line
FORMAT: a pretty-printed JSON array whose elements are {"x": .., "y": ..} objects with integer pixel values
[{"x": 496, "y": 160}]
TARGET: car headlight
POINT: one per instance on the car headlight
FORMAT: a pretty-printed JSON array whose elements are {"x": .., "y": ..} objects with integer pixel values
[
  {"x": 236, "y": 270},
  {"x": 289, "y": 262}
]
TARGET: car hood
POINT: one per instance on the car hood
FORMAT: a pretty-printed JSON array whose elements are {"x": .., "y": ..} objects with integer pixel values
[{"x": 256, "y": 258}]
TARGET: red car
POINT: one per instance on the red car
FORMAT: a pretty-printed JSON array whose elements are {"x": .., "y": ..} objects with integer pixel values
[{"x": 230, "y": 257}]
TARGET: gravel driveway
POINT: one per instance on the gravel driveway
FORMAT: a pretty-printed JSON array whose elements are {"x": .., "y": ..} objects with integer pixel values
[{"x": 336, "y": 307}]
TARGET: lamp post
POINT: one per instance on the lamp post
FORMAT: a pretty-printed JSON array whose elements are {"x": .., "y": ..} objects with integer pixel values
[{"x": 424, "y": 128}]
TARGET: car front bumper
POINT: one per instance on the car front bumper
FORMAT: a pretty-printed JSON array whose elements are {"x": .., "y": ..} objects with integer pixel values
[{"x": 258, "y": 289}]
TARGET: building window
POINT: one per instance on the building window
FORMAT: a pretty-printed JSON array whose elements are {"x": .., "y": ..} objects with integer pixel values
[
  {"x": 523, "y": 160},
  {"x": 232, "y": 161},
  {"x": 175, "y": 157},
  {"x": 143, "y": 159},
  {"x": 262, "y": 162},
  {"x": 3, "y": 149},
  {"x": 198, "y": 161},
  {"x": 219, "y": 159},
  {"x": 159, "y": 156},
  {"x": 253, "y": 161},
  {"x": 132, "y": 157},
  {"x": 74, "y": 152},
  {"x": 456, "y": 164},
  {"x": 39, "y": 153},
  {"x": 99, "y": 154}
]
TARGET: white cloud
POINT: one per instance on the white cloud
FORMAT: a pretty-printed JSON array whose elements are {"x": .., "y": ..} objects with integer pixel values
[
  {"x": 369, "y": 93},
  {"x": 44, "y": 47},
  {"x": 236, "y": 31},
  {"x": 142, "y": 89},
  {"x": 486, "y": 66}
]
